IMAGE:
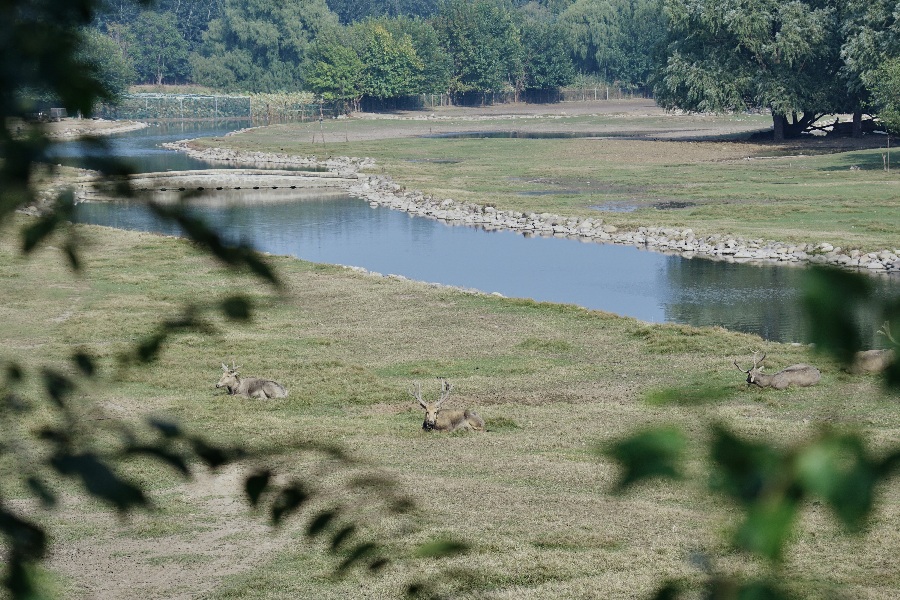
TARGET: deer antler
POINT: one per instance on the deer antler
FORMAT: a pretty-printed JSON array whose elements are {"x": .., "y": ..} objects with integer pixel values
[
  {"x": 756, "y": 362},
  {"x": 446, "y": 388},
  {"x": 739, "y": 367},
  {"x": 886, "y": 332},
  {"x": 415, "y": 390}
]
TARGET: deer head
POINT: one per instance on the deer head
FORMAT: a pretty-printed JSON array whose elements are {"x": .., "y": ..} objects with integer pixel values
[
  {"x": 431, "y": 408},
  {"x": 753, "y": 372},
  {"x": 229, "y": 379}
]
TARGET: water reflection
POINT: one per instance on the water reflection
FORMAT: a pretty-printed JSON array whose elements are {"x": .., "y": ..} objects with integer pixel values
[{"x": 624, "y": 280}]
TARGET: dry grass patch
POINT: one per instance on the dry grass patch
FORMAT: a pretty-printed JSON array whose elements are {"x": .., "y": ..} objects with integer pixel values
[{"x": 554, "y": 384}]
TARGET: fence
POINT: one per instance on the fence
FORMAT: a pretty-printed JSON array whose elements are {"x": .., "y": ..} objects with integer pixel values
[
  {"x": 301, "y": 106},
  {"x": 603, "y": 92},
  {"x": 176, "y": 106}
]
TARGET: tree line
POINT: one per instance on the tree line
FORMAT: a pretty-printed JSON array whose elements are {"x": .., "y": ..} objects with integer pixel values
[
  {"x": 344, "y": 50},
  {"x": 800, "y": 59}
]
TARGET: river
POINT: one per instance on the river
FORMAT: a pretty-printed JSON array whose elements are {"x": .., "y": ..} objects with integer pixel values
[{"x": 338, "y": 229}]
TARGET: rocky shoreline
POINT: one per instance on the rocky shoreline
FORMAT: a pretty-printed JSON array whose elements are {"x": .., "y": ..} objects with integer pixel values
[{"x": 381, "y": 190}]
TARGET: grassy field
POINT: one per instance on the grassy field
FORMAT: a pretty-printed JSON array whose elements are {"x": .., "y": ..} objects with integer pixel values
[
  {"x": 531, "y": 495},
  {"x": 665, "y": 170}
]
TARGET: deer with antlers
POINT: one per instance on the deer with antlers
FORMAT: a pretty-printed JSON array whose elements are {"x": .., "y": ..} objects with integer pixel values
[
  {"x": 797, "y": 375},
  {"x": 250, "y": 387},
  {"x": 437, "y": 419},
  {"x": 875, "y": 361}
]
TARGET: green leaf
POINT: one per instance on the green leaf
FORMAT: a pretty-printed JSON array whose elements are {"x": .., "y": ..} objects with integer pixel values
[
  {"x": 99, "y": 480},
  {"x": 838, "y": 469},
  {"x": 57, "y": 386},
  {"x": 197, "y": 230},
  {"x": 172, "y": 459},
  {"x": 697, "y": 394},
  {"x": 320, "y": 522},
  {"x": 236, "y": 308},
  {"x": 213, "y": 456},
  {"x": 342, "y": 535},
  {"x": 670, "y": 591},
  {"x": 832, "y": 298},
  {"x": 441, "y": 548},
  {"x": 357, "y": 554},
  {"x": 148, "y": 349},
  {"x": 289, "y": 500},
  {"x": 14, "y": 373},
  {"x": 38, "y": 231},
  {"x": 85, "y": 363},
  {"x": 40, "y": 489},
  {"x": 26, "y": 539},
  {"x": 652, "y": 453},
  {"x": 70, "y": 249},
  {"x": 761, "y": 590},
  {"x": 255, "y": 485},
  {"x": 768, "y": 526},
  {"x": 746, "y": 470},
  {"x": 168, "y": 429}
]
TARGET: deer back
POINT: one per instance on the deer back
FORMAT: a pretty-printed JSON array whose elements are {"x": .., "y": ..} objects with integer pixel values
[
  {"x": 871, "y": 361},
  {"x": 254, "y": 387},
  {"x": 799, "y": 375}
]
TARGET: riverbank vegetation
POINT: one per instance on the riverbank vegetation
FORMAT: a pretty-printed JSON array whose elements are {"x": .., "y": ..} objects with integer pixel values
[
  {"x": 645, "y": 168},
  {"x": 530, "y": 496}
]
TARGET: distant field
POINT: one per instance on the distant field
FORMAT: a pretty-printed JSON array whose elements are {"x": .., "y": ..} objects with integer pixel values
[
  {"x": 530, "y": 496},
  {"x": 646, "y": 168}
]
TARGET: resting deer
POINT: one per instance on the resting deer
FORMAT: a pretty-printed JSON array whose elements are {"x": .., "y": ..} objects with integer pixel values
[
  {"x": 798, "y": 375},
  {"x": 250, "y": 387},
  {"x": 437, "y": 419},
  {"x": 874, "y": 361}
]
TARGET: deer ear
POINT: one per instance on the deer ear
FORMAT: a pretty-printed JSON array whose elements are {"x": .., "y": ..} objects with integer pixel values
[{"x": 224, "y": 367}]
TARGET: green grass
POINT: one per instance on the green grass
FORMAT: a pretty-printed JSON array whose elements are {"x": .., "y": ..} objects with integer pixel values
[
  {"x": 553, "y": 382},
  {"x": 794, "y": 192}
]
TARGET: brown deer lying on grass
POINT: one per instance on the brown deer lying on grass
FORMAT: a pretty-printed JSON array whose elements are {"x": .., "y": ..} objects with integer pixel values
[
  {"x": 250, "y": 387},
  {"x": 437, "y": 419},
  {"x": 798, "y": 375},
  {"x": 874, "y": 361}
]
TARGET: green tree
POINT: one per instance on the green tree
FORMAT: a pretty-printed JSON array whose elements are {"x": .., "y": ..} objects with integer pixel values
[
  {"x": 871, "y": 40},
  {"x": 157, "y": 49},
  {"x": 391, "y": 67},
  {"x": 260, "y": 45},
  {"x": 351, "y": 11},
  {"x": 546, "y": 58},
  {"x": 776, "y": 55},
  {"x": 884, "y": 86},
  {"x": 437, "y": 65},
  {"x": 484, "y": 43},
  {"x": 113, "y": 67},
  {"x": 334, "y": 69}
]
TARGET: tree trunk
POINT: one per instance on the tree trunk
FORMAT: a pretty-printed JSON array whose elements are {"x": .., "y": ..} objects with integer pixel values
[
  {"x": 857, "y": 124},
  {"x": 778, "y": 122}
]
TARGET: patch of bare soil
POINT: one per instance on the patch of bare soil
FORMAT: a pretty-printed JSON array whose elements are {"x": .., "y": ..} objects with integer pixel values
[{"x": 147, "y": 556}]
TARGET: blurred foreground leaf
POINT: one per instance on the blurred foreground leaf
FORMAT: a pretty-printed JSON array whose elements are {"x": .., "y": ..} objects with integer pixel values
[{"x": 652, "y": 453}]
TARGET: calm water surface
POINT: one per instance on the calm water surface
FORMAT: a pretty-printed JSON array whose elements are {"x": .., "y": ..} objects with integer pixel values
[
  {"x": 621, "y": 279},
  {"x": 142, "y": 150},
  {"x": 341, "y": 230}
]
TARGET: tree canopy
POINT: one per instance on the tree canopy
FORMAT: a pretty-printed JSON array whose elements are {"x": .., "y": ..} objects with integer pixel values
[
  {"x": 260, "y": 45},
  {"x": 781, "y": 56},
  {"x": 482, "y": 39}
]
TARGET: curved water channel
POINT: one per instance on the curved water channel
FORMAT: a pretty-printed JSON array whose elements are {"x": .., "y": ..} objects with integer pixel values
[{"x": 335, "y": 228}]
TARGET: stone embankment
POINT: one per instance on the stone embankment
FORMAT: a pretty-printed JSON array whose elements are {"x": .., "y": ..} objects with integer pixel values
[{"x": 380, "y": 190}]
